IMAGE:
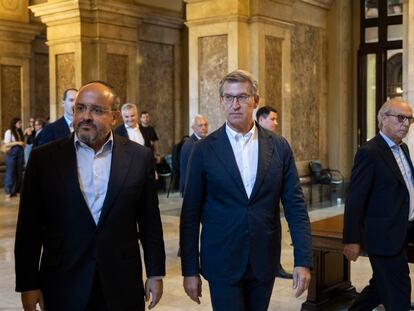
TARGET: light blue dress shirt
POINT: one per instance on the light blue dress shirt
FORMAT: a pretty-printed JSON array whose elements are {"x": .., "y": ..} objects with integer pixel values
[{"x": 93, "y": 174}]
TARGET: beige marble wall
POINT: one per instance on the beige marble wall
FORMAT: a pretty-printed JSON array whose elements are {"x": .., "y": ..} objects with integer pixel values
[
  {"x": 15, "y": 10},
  {"x": 41, "y": 108},
  {"x": 117, "y": 74},
  {"x": 273, "y": 87},
  {"x": 11, "y": 95},
  {"x": 156, "y": 89},
  {"x": 212, "y": 68},
  {"x": 308, "y": 73},
  {"x": 65, "y": 77}
]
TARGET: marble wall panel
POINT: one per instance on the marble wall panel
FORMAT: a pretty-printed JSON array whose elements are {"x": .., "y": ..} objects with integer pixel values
[
  {"x": 11, "y": 95},
  {"x": 65, "y": 77},
  {"x": 213, "y": 66},
  {"x": 273, "y": 82},
  {"x": 41, "y": 108},
  {"x": 308, "y": 45},
  {"x": 117, "y": 74},
  {"x": 156, "y": 89}
]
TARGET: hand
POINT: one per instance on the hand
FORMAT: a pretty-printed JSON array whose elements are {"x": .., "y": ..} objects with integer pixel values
[
  {"x": 31, "y": 298},
  {"x": 154, "y": 287},
  {"x": 192, "y": 287},
  {"x": 352, "y": 251},
  {"x": 301, "y": 280}
]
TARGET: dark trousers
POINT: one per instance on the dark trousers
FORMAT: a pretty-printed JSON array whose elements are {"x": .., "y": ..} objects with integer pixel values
[
  {"x": 14, "y": 170},
  {"x": 249, "y": 294}
]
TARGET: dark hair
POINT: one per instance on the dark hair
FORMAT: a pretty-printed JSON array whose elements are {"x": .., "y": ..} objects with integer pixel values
[
  {"x": 264, "y": 112},
  {"x": 144, "y": 112},
  {"x": 65, "y": 93},
  {"x": 17, "y": 133},
  {"x": 41, "y": 122},
  {"x": 117, "y": 101}
]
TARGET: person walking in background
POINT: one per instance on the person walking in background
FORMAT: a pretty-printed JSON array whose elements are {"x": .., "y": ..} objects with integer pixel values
[
  {"x": 236, "y": 177},
  {"x": 14, "y": 147},
  {"x": 62, "y": 127},
  {"x": 199, "y": 126},
  {"x": 379, "y": 210},
  {"x": 39, "y": 125},
  {"x": 266, "y": 116},
  {"x": 28, "y": 138}
]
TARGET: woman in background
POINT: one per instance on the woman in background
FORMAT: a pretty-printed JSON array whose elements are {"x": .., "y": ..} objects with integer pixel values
[
  {"x": 29, "y": 134},
  {"x": 14, "y": 142}
]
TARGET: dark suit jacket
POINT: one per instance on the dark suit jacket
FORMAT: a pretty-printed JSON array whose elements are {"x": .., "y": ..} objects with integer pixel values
[
  {"x": 377, "y": 205},
  {"x": 54, "y": 216},
  {"x": 54, "y": 131},
  {"x": 185, "y": 154},
  {"x": 236, "y": 229},
  {"x": 122, "y": 131}
]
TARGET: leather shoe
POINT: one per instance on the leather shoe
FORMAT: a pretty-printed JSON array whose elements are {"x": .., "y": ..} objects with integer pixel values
[{"x": 283, "y": 274}]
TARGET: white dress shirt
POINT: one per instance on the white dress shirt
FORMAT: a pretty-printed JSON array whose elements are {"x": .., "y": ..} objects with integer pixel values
[
  {"x": 135, "y": 134},
  {"x": 93, "y": 174},
  {"x": 246, "y": 151},
  {"x": 70, "y": 123}
]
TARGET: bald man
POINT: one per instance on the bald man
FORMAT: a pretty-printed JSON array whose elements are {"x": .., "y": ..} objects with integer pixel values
[
  {"x": 199, "y": 126},
  {"x": 83, "y": 199}
]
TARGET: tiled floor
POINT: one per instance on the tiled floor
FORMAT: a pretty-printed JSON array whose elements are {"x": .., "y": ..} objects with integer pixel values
[{"x": 174, "y": 298}]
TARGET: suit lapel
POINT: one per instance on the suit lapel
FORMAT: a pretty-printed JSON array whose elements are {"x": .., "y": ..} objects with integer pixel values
[
  {"x": 120, "y": 163},
  {"x": 406, "y": 151},
  {"x": 264, "y": 159},
  {"x": 222, "y": 148},
  {"x": 386, "y": 153},
  {"x": 66, "y": 166}
]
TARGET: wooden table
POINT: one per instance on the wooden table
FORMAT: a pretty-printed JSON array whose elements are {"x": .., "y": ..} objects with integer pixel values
[{"x": 330, "y": 283}]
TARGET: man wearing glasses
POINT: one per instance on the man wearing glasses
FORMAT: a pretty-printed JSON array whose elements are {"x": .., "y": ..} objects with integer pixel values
[
  {"x": 236, "y": 177},
  {"x": 83, "y": 199},
  {"x": 379, "y": 210}
]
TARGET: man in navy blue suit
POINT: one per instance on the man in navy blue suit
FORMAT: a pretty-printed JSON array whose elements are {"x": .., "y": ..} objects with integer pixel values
[
  {"x": 379, "y": 210},
  {"x": 236, "y": 177},
  {"x": 199, "y": 125},
  {"x": 62, "y": 127}
]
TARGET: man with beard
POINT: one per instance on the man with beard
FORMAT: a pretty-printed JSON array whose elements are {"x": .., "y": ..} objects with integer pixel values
[{"x": 83, "y": 199}]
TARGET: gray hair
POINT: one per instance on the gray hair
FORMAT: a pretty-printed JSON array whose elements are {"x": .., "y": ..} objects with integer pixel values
[
  {"x": 197, "y": 116},
  {"x": 387, "y": 108},
  {"x": 239, "y": 76},
  {"x": 128, "y": 106}
]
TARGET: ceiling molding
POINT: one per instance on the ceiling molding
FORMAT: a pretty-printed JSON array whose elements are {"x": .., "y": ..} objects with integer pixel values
[{"x": 326, "y": 4}]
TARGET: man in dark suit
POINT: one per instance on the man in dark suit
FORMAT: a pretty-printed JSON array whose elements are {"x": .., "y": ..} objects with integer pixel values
[
  {"x": 266, "y": 116},
  {"x": 199, "y": 125},
  {"x": 380, "y": 208},
  {"x": 236, "y": 177},
  {"x": 61, "y": 127},
  {"x": 84, "y": 199}
]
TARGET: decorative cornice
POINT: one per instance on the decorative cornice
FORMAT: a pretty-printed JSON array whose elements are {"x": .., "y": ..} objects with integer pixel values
[
  {"x": 18, "y": 32},
  {"x": 326, "y": 4}
]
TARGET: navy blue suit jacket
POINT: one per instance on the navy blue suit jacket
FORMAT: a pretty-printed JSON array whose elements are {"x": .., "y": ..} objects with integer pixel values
[
  {"x": 54, "y": 131},
  {"x": 377, "y": 205},
  {"x": 237, "y": 229},
  {"x": 56, "y": 232},
  {"x": 185, "y": 155}
]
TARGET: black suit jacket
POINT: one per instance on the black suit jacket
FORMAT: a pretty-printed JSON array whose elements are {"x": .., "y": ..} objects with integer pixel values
[
  {"x": 122, "y": 131},
  {"x": 377, "y": 205},
  {"x": 185, "y": 155},
  {"x": 54, "y": 216},
  {"x": 236, "y": 229},
  {"x": 54, "y": 131}
]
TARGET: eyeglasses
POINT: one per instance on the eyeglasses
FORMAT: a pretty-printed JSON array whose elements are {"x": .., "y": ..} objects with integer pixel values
[
  {"x": 242, "y": 99},
  {"x": 95, "y": 110},
  {"x": 401, "y": 118}
]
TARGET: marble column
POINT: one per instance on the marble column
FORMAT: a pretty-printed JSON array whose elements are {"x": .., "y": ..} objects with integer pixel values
[
  {"x": 90, "y": 41},
  {"x": 16, "y": 36}
]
